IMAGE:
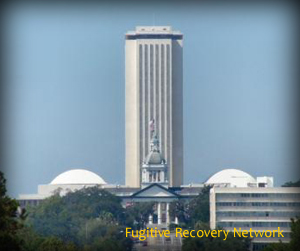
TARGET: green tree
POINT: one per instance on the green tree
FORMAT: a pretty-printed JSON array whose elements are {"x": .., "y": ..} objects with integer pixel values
[
  {"x": 9, "y": 223},
  {"x": 295, "y": 234},
  {"x": 292, "y": 184},
  {"x": 215, "y": 244},
  {"x": 278, "y": 247},
  {"x": 56, "y": 244},
  {"x": 52, "y": 218},
  {"x": 179, "y": 209},
  {"x": 106, "y": 237},
  {"x": 65, "y": 216},
  {"x": 199, "y": 207},
  {"x": 193, "y": 211},
  {"x": 139, "y": 213},
  {"x": 30, "y": 240},
  {"x": 294, "y": 243},
  {"x": 90, "y": 219}
]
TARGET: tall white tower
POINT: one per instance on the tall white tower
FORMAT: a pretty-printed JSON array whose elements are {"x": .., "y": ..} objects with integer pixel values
[{"x": 153, "y": 72}]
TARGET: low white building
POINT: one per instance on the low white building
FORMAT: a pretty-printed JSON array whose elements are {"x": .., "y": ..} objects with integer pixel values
[
  {"x": 154, "y": 189},
  {"x": 259, "y": 208}
]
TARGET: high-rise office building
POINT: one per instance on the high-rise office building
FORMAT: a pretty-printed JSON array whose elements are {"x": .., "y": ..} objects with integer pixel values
[{"x": 154, "y": 100}]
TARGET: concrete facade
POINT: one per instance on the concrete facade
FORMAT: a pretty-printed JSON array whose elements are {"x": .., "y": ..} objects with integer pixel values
[
  {"x": 259, "y": 208},
  {"x": 153, "y": 74}
]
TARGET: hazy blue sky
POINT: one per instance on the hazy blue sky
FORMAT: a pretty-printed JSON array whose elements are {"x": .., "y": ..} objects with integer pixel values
[{"x": 66, "y": 90}]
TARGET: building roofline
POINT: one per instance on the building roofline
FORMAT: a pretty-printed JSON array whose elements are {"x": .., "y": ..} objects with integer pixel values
[{"x": 152, "y": 185}]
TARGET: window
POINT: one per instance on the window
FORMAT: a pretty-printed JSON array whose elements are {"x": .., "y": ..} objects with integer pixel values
[{"x": 245, "y": 195}]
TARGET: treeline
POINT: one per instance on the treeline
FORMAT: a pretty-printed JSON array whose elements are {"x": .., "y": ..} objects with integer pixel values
[
  {"x": 88, "y": 219},
  {"x": 94, "y": 219}
]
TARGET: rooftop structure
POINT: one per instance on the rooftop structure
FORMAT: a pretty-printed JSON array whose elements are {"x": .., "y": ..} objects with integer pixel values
[
  {"x": 238, "y": 178},
  {"x": 153, "y": 32}
]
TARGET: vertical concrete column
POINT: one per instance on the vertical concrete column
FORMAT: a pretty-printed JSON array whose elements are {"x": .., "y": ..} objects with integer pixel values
[
  {"x": 176, "y": 220},
  {"x": 159, "y": 213},
  {"x": 150, "y": 221},
  {"x": 167, "y": 213}
]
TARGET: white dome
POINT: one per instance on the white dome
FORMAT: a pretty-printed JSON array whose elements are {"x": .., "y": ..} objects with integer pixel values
[
  {"x": 234, "y": 177},
  {"x": 77, "y": 176}
]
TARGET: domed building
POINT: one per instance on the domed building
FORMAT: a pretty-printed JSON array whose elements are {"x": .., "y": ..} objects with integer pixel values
[
  {"x": 154, "y": 168},
  {"x": 69, "y": 181},
  {"x": 231, "y": 178},
  {"x": 238, "y": 178},
  {"x": 78, "y": 177}
]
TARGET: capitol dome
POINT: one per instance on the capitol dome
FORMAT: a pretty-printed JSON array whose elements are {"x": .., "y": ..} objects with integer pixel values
[
  {"x": 77, "y": 176},
  {"x": 154, "y": 157},
  {"x": 232, "y": 178}
]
